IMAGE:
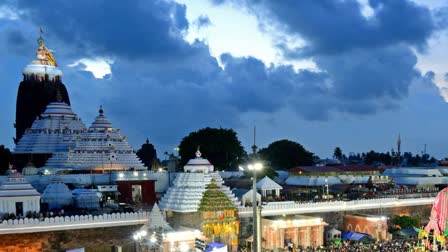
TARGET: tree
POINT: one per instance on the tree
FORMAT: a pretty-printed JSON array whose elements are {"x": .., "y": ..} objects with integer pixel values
[
  {"x": 405, "y": 221},
  {"x": 148, "y": 155},
  {"x": 220, "y": 146},
  {"x": 285, "y": 154},
  {"x": 337, "y": 153},
  {"x": 5, "y": 159}
]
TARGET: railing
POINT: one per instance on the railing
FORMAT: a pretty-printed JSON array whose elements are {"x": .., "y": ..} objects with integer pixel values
[
  {"x": 291, "y": 207},
  {"x": 28, "y": 225}
]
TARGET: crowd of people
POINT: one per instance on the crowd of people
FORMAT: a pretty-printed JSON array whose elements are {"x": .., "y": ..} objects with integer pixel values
[{"x": 347, "y": 246}]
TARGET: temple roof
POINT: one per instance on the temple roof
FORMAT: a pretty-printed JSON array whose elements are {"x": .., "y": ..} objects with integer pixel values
[
  {"x": 157, "y": 221},
  {"x": 17, "y": 186},
  {"x": 101, "y": 147},
  {"x": 57, "y": 194},
  {"x": 101, "y": 121},
  {"x": 188, "y": 188},
  {"x": 268, "y": 184},
  {"x": 198, "y": 164},
  {"x": 54, "y": 131}
]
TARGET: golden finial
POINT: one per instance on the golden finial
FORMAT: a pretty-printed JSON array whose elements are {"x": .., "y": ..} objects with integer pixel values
[{"x": 40, "y": 40}]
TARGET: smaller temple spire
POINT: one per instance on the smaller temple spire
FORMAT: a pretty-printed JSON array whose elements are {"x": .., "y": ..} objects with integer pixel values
[
  {"x": 198, "y": 152},
  {"x": 101, "y": 111}
]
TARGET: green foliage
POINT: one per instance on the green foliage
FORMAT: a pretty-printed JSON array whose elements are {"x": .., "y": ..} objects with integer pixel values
[
  {"x": 220, "y": 146},
  {"x": 285, "y": 154},
  {"x": 405, "y": 221},
  {"x": 391, "y": 158},
  {"x": 5, "y": 159},
  {"x": 337, "y": 153}
]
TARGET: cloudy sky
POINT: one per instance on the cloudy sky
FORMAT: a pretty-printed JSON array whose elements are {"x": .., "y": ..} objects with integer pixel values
[{"x": 348, "y": 73}]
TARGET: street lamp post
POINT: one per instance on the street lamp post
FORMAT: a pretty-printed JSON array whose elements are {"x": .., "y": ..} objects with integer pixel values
[{"x": 256, "y": 216}]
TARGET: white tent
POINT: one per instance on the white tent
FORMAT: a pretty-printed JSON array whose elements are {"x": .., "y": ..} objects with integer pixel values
[
  {"x": 248, "y": 197},
  {"x": 267, "y": 185}
]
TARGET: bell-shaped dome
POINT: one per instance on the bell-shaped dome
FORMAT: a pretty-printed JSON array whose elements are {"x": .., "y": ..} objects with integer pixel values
[
  {"x": 199, "y": 164},
  {"x": 57, "y": 194},
  {"x": 101, "y": 121}
]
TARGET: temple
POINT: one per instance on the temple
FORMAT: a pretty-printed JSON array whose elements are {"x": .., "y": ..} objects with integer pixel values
[
  {"x": 17, "y": 196},
  {"x": 188, "y": 188},
  {"x": 41, "y": 85},
  {"x": 54, "y": 131},
  {"x": 198, "y": 199},
  {"x": 99, "y": 149}
]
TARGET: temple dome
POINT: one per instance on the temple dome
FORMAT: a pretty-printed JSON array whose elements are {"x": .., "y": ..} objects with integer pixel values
[
  {"x": 57, "y": 194},
  {"x": 101, "y": 121},
  {"x": 199, "y": 164}
]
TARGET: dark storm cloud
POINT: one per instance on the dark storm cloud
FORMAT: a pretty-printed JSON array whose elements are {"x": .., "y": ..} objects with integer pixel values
[
  {"x": 366, "y": 63},
  {"x": 141, "y": 29}
]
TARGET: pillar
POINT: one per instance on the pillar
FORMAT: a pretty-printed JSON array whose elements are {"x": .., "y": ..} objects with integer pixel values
[
  {"x": 308, "y": 236},
  {"x": 296, "y": 236},
  {"x": 282, "y": 238}
]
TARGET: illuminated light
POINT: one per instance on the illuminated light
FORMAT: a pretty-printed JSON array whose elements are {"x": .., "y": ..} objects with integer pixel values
[
  {"x": 136, "y": 237},
  {"x": 135, "y": 173},
  {"x": 143, "y": 233},
  {"x": 184, "y": 247},
  {"x": 153, "y": 239},
  {"x": 258, "y": 166},
  {"x": 144, "y": 174},
  {"x": 120, "y": 175},
  {"x": 182, "y": 235},
  {"x": 250, "y": 167},
  {"x": 160, "y": 169},
  {"x": 241, "y": 168}
]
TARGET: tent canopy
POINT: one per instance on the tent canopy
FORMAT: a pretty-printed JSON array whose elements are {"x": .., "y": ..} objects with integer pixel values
[
  {"x": 354, "y": 236},
  {"x": 216, "y": 247}
]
